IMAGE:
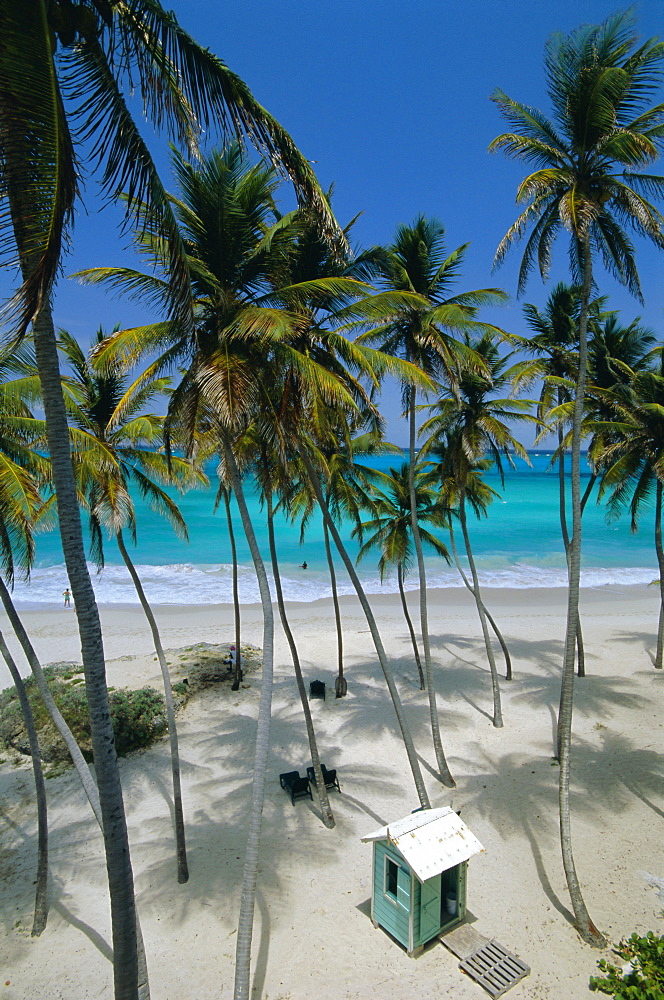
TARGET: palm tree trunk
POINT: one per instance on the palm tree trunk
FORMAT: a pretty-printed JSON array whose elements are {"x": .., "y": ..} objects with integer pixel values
[
  {"x": 340, "y": 684},
  {"x": 373, "y": 628},
  {"x": 242, "y": 987},
  {"x": 41, "y": 892},
  {"x": 237, "y": 679},
  {"x": 325, "y": 808},
  {"x": 114, "y": 824},
  {"x": 660, "y": 563},
  {"x": 497, "y": 709},
  {"x": 584, "y": 924},
  {"x": 181, "y": 847},
  {"x": 424, "y": 623},
  {"x": 410, "y": 625},
  {"x": 498, "y": 634},
  {"x": 580, "y": 652}
]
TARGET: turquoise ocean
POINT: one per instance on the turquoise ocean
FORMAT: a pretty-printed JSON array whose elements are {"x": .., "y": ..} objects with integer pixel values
[{"x": 518, "y": 545}]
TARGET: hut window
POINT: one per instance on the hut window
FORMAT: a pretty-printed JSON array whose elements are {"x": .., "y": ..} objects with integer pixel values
[{"x": 391, "y": 877}]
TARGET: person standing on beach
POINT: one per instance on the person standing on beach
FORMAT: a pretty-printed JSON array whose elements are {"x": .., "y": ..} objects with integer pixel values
[{"x": 67, "y": 596}]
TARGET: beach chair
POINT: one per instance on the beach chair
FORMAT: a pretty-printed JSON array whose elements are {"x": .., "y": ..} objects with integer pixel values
[
  {"x": 317, "y": 690},
  {"x": 295, "y": 786},
  {"x": 329, "y": 777}
]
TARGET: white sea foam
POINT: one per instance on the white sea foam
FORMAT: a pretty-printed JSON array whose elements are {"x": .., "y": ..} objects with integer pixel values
[{"x": 185, "y": 583}]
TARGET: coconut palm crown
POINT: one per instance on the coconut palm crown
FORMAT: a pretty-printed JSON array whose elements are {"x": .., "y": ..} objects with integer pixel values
[{"x": 590, "y": 155}]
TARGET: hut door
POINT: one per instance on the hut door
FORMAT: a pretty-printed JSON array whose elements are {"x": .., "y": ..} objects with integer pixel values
[{"x": 430, "y": 908}]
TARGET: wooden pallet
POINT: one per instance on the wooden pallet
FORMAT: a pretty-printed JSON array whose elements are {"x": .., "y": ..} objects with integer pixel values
[{"x": 495, "y": 968}]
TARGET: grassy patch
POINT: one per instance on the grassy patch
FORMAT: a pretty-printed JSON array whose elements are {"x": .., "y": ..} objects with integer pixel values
[{"x": 138, "y": 716}]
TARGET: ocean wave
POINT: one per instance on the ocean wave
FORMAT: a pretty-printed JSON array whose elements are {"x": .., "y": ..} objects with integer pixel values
[{"x": 189, "y": 584}]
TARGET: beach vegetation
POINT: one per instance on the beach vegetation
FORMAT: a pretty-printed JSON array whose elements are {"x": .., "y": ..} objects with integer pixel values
[
  {"x": 138, "y": 717},
  {"x": 589, "y": 181},
  {"x": 642, "y": 978}
]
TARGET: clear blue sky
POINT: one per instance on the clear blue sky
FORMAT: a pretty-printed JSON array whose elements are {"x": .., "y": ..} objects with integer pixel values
[{"x": 391, "y": 99}]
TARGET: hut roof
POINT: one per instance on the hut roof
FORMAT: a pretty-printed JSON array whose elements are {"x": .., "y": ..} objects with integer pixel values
[{"x": 430, "y": 840}]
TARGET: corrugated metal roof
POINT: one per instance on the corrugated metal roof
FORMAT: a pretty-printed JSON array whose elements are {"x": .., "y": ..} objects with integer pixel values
[{"x": 430, "y": 840}]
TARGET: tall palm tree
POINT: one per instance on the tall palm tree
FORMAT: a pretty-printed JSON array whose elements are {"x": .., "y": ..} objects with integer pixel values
[
  {"x": 21, "y": 505},
  {"x": 629, "y": 454},
  {"x": 270, "y": 476},
  {"x": 252, "y": 343},
  {"x": 345, "y": 488},
  {"x": 470, "y": 423},
  {"x": 116, "y": 449},
  {"x": 554, "y": 341},
  {"x": 416, "y": 326},
  {"x": 603, "y": 130},
  {"x": 391, "y": 526},
  {"x": 64, "y": 72}
]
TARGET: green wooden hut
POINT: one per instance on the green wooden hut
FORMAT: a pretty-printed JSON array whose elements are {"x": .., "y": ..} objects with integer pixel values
[{"x": 419, "y": 875}]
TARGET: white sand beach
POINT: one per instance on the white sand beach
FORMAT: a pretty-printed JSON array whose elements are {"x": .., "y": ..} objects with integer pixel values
[{"x": 313, "y": 937}]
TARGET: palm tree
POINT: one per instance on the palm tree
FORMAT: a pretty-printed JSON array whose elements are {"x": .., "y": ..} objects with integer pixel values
[
  {"x": 270, "y": 476},
  {"x": 252, "y": 343},
  {"x": 64, "y": 71},
  {"x": 415, "y": 325},
  {"x": 21, "y": 505},
  {"x": 630, "y": 457},
  {"x": 391, "y": 524},
  {"x": 469, "y": 424},
  {"x": 603, "y": 130},
  {"x": 114, "y": 449},
  {"x": 346, "y": 485},
  {"x": 555, "y": 342}
]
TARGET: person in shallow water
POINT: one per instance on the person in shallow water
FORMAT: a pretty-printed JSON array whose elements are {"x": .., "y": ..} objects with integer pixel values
[
  {"x": 303, "y": 566},
  {"x": 67, "y": 596}
]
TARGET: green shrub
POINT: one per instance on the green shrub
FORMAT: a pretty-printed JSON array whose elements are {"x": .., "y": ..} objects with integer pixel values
[
  {"x": 645, "y": 979},
  {"x": 138, "y": 717}
]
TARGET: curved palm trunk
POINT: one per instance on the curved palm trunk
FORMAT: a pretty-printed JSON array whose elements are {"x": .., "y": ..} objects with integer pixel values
[
  {"x": 340, "y": 684},
  {"x": 181, "y": 848},
  {"x": 242, "y": 987},
  {"x": 325, "y": 808},
  {"x": 489, "y": 617},
  {"x": 378, "y": 642},
  {"x": 497, "y": 709},
  {"x": 406, "y": 613},
  {"x": 443, "y": 769},
  {"x": 580, "y": 652},
  {"x": 584, "y": 924},
  {"x": 41, "y": 892},
  {"x": 660, "y": 563},
  {"x": 237, "y": 679}
]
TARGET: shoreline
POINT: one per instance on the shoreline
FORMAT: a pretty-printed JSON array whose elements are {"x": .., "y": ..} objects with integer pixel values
[{"x": 53, "y": 629}]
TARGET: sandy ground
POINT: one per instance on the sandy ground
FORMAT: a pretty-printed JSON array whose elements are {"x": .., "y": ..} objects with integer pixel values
[{"x": 313, "y": 937}]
